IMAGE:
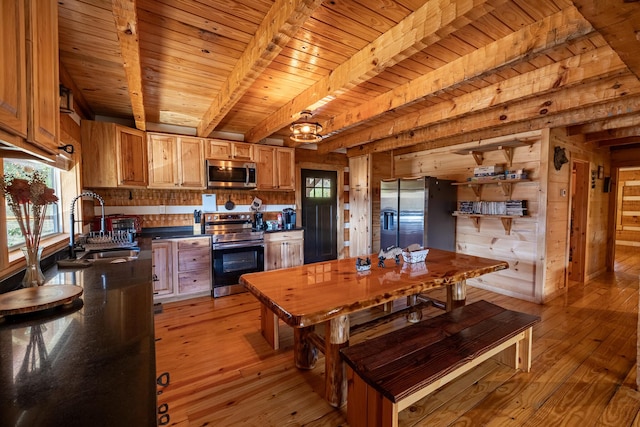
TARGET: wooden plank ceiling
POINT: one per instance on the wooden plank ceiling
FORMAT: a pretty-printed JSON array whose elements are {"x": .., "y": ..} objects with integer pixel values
[{"x": 377, "y": 74}]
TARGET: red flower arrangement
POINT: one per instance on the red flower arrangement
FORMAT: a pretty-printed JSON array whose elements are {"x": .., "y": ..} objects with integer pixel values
[{"x": 28, "y": 199}]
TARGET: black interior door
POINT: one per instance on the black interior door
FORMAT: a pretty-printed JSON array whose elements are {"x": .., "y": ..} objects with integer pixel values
[{"x": 319, "y": 204}]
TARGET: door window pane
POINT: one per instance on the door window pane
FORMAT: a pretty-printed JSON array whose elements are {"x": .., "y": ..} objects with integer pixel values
[{"x": 318, "y": 188}]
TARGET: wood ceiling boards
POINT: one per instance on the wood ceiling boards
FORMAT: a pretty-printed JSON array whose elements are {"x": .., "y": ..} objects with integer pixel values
[{"x": 377, "y": 74}]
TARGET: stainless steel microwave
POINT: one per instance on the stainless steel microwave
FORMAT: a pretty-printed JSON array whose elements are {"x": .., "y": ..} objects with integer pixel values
[{"x": 231, "y": 174}]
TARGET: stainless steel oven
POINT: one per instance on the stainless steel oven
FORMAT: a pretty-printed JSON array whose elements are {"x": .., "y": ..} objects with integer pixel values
[{"x": 236, "y": 249}]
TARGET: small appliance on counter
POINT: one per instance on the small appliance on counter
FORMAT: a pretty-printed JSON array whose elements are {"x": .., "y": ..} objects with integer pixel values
[
  {"x": 198, "y": 226},
  {"x": 119, "y": 222},
  {"x": 289, "y": 218},
  {"x": 258, "y": 221}
]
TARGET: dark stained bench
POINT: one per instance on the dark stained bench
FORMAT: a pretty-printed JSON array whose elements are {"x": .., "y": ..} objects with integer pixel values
[{"x": 387, "y": 374}]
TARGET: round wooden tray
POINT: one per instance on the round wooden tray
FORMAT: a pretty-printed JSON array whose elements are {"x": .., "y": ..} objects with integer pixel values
[{"x": 28, "y": 300}]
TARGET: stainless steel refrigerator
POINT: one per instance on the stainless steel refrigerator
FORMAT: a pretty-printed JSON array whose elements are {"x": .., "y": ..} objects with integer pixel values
[{"x": 418, "y": 210}]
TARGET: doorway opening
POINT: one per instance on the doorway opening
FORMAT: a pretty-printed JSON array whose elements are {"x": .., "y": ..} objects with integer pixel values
[
  {"x": 578, "y": 222},
  {"x": 626, "y": 196},
  {"x": 319, "y": 215}
]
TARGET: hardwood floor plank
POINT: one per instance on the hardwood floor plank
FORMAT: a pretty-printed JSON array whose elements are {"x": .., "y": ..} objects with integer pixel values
[{"x": 584, "y": 369}]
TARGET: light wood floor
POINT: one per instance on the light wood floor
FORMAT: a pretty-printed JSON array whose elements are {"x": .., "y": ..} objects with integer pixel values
[{"x": 584, "y": 366}]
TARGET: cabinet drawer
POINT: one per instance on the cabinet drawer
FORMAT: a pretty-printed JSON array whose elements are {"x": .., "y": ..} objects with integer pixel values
[
  {"x": 194, "y": 281},
  {"x": 195, "y": 259},
  {"x": 283, "y": 236},
  {"x": 194, "y": 243}
]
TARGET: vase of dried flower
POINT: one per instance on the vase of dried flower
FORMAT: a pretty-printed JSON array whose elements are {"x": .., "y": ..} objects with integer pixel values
[{"x": 33, "y": 273}]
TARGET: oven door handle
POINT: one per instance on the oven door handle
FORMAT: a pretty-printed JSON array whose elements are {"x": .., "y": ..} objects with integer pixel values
[
  {"x": 246, "y": 182},
  {"x": 222, "y": 246}
]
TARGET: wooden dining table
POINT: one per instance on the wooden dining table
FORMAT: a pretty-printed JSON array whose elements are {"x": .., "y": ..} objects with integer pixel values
[{"x": 328, "y": 292}]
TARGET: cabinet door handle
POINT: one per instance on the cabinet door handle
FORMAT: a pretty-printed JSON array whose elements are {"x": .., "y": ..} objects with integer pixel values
[{"x": 155, "y": 278}]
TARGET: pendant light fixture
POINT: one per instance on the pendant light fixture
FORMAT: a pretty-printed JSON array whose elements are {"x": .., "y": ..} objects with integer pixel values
[{"x": 304, "y": 130}]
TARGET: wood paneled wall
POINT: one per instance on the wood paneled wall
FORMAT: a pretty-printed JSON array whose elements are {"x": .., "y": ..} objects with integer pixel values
[
  {"x": 162, "y": 197},
  {"x": 519, "y": 248},
  {"x": 597, "y": 209}
]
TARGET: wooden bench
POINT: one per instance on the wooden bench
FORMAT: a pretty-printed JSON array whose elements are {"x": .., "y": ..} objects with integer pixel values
[{"x": 387, "y": 374}]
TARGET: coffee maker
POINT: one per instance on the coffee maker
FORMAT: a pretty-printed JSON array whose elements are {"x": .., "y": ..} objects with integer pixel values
[
  {"x": 289, "y": 218},
  {"x": 258, "y": 221}
]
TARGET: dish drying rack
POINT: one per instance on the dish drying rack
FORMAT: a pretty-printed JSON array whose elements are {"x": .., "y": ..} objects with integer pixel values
[{"x": 109, "y": 240}]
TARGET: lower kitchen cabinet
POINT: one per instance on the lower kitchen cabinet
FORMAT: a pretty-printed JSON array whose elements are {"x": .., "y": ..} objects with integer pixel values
[
  {"x": 187, "y": 273},
  {"x": 161, "y": 268},
  {"x": 283, "y": 249}
]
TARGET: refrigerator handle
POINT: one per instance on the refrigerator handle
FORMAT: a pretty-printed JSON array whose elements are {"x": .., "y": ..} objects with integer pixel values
[{"x": 387, "y": 223}]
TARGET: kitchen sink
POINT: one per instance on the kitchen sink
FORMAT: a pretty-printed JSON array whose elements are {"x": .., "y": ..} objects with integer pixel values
[{"x": 111, "y": 255}]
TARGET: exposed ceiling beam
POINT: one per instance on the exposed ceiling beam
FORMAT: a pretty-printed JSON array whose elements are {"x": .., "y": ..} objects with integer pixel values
[
  {"x": 619, "y": 141},
  {"x": 613, "y": 134},
  {"x": 526, "y": 43},
  {"x": 619, "y": 23},
  {"x": 580, "y": 104},
  {"x": 126, "y": 19},
  {"x": 577, "y": 70},
  {"x": 281, "y": 23},
  {"x": 618, "y": 120},
  {"x": 430, "y": 23}
]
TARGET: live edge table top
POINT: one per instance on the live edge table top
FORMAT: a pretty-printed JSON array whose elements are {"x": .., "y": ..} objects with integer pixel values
[{"x": 314, "y": 293}]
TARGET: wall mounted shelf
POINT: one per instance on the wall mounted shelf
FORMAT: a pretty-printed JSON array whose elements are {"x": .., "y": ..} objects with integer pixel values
[
  {"x": 505, "y": 185},
  {"x": 475, "y": 218},
  {"x": 506, "y": 148}
]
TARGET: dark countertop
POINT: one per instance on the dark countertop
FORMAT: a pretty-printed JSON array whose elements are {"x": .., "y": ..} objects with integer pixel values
[{"x": 88, "y": 364}]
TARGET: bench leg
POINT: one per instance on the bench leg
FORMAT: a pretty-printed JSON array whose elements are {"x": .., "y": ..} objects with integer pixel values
[
  {"x": 269, "y": 326},
  {"x": 456, "y": 295},
  {"x": 518, "y": 356},
  {"x": 366, "y": 407},
  {"x": 336, "y": 337}
]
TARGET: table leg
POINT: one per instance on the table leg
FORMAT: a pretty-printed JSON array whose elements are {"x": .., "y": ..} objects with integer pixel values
[
  {"x": 456, "y": 295},
  {"x": 336, "y": 337},
  {"x": 415, "y": 314},
  {"x": 305, "y": 354},
  {"x": 269, "y": 326}
]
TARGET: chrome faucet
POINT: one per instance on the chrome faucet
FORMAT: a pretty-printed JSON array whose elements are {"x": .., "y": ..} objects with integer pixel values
[{"x": 72, "y": 243}]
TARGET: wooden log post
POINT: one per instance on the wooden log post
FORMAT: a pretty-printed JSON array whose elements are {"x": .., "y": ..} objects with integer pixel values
[
  {"x": 337, "y": 337},
  {"x": 305, "y": 353},
  {"x": 456, "y": 295},
  {"x": 415, "y": 313}
]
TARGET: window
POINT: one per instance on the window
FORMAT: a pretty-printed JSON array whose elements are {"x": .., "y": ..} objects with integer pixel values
[
  {"x": 52, "y": 221},
  {"x": 318, "y": 188}
]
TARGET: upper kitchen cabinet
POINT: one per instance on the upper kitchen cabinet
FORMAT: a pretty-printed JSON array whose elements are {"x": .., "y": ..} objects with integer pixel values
[
  {"x": 176, "y": 161},
  {"x": 13, "y": 104},
  {"x": 29, "y": 88},
  {"x": 191, "y": 162},
  {"x": 276, "y": 167},
  {"x": 107, "y": 144},
  {"x": 228, "y": 150}
]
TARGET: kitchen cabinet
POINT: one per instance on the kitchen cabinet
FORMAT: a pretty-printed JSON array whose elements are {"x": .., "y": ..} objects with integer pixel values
[
  {"x": 276, "y": 167},
  {"x": 181, "y": 268},
  {"x": 192, "y": 265},
  {"x": 360, "y": 206},
  {"x": 161, "y": 268},
  {"x": 29, "y": 87},
  {"x": 228, "y": 150},
  {"x": 109, "y": 144},
  {"x": 191, "y": 162},
  {"x": 283, "y": 249},
  {"x": 175, "y": 161}
]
